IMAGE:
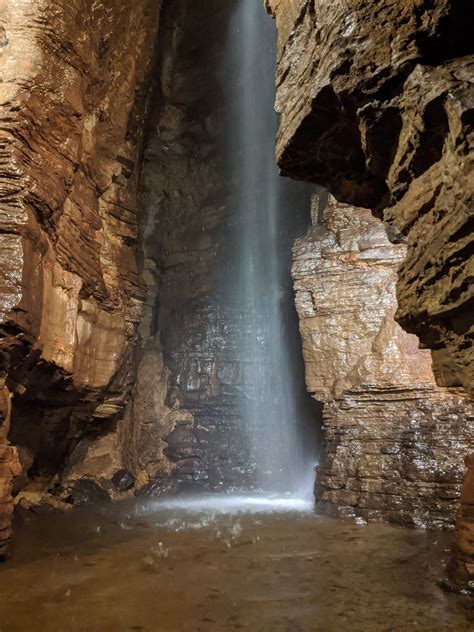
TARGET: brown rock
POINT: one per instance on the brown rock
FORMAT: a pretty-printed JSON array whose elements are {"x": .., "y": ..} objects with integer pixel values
[
  {"x": 73, "y": 103},
  {"x": 393, "y": 440},
  {"x": 150, "y": 420},
  {"x": 461, "y": 567},
  {"x": 376, "y": 105},
  {"x": 72, "y": 208},
  {"x": 9, "y": 468}
]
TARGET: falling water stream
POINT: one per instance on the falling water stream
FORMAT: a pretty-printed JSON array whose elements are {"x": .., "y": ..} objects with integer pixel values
[{"x": 270, "y": 405}]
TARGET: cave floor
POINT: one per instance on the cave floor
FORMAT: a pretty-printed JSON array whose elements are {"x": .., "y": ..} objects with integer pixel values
[{"x": 136, "y": 567}]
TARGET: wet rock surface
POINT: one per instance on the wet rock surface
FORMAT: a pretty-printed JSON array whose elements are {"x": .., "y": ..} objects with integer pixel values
[
  {"x": 73, "y": 97},
  {"x": 190, "y": 263},
  {"x": 185, "y": 332},
  {"x": 376, "y": 105},
  {"x": 87, "y": 492},
  {"x": 393, "y": 440},
  {"x": 9, "y": 468},
  {"x": 123, "y": 480}
]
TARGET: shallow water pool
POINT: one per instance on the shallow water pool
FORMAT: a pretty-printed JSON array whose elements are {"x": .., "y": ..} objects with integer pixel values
[{"x": 223, "y": 563}]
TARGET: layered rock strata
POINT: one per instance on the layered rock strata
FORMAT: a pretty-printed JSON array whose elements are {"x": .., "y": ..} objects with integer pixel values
[
  {"x": 376, "y": 105},
  {"x": 183, "y": 193},
  {"x": 461, "y": 567},
  {"x": 9, "y": 467},
  {"x": 190, "y": 193},
  {"x": 394, "y": 440},
  {"x": 73, "y": 99}
]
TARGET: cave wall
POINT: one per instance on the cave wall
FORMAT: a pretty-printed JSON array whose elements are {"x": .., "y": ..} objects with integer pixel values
[
  {"x": 382, "y": 121},
  {"x": 461, "y": 565},
  {"x": 75, "y": 80},
  {"x": 376, "y": 105},
  {"x": 189, "y": 192},
  {"x": 183, "y": 193},
  {"x": 393, "y": 440}
]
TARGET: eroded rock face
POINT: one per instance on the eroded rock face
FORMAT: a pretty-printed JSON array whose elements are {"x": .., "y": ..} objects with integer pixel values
[
  {"x": 153, "y": 416},
  {"x": 190, "y": 190},
  {"x": 461, "y": 567},
  {"x": 376, "y": 105},
  {"x": 9, "y": 468},
  {"x": 73, "y": 100},
  {"x": 394, "y": 440}
]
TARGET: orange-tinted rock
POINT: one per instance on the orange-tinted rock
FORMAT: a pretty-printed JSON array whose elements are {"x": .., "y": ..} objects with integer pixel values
[
  {"x": 73, "y": 104},
  {"x": 461, "y": 568},
  {"x": 394, "y": 441},
  {"x": 70, "y": 164},
  {"x": 376, "y": 105},
  {"x": 9, "y": 468}
]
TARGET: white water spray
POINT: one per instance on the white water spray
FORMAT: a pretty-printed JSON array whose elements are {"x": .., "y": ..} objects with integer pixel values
[{"x": 270, "y": 410}]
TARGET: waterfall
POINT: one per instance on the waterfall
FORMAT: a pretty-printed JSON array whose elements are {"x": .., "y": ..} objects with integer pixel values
[{"x": 269, "y": 397}]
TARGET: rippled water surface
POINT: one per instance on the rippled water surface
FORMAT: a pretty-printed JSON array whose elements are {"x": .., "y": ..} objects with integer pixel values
[{"x": 223, "y": 563}]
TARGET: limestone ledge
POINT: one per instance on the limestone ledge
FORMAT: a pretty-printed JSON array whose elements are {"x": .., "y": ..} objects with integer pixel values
[{"x": 395, "y": 455}]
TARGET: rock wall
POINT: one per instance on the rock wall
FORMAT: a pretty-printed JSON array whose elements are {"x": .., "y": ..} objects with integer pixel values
[
  {"x": 192, "y": 321},
  {"x": 394, "y": 440},
  {"x": 376, "y": 105},
  {"x": 73, "y": 100},
  {"x": 183, "y": 192},
  {"x": 9, "y": 467},
  {"x": 461, "y": 567}
]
